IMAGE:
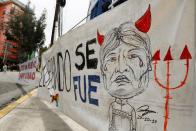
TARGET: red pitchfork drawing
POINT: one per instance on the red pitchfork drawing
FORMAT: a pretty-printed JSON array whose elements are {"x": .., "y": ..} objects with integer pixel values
[{"x": 184, "y": 56}]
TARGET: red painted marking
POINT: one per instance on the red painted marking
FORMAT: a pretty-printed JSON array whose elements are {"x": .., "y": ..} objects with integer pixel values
[
  {"x": 100, "y": 38},
  {"x": 168, "y": 56},
  {"x": 185, "y": 54},
  {"x": 143, "y": 23},
  {"x": 156, "y": 56},
  {"x": 167, "y": 97},
  {"x": 185, "y": 78},
  {"x": 166, "y": 112}
]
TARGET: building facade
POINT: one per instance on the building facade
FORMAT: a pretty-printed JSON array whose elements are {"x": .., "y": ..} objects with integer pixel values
[
  {"x": 8, "y": 49},
  {"x": 98, "y": 7}
]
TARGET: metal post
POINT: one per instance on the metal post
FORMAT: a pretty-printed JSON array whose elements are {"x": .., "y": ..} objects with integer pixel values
[
  {"x": 57, "y": 19},
  {"x": 5, "y": 53}
]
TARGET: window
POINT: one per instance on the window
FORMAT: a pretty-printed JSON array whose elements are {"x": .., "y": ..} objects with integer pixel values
[
  {"x": 4, "y": 12},
  {"x": 9, "y": 45},
  {"x": 14, "y": 47},
  {"x": 12, "y": 11},
  {"x": 14, "y": 53},
  {"x": 13, "y": 6}
]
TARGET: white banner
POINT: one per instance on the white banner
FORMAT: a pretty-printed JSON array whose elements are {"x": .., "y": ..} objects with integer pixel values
[
  {"x": 129, "y": 69},
  {"x": 27, "y": 72}
]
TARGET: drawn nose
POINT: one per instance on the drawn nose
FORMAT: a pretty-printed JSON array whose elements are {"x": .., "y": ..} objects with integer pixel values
[{"x": 122, "y": 65}]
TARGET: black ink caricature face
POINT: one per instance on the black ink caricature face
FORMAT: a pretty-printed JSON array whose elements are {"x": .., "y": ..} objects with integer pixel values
[
  {"x": 125, "y": 61},
  {"x": 125, "y": 64}
]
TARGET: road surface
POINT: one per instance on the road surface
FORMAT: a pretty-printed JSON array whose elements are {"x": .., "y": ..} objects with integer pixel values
[{"x": 12, "y": 91}]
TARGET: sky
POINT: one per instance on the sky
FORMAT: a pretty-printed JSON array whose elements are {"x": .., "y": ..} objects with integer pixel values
[{"x": 73, "y": 12}]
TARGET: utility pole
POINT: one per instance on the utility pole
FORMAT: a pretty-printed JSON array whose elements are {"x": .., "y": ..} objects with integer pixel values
[
  {"x": 5, "y": 53},
  {"x": 58, "y": 20}
]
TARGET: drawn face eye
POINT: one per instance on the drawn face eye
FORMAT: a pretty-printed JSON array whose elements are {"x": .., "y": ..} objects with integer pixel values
[
  {"x": 112, "y": 59},
  {"x": 132, "y": 56},
  {"x": 135, "y": 56},
  {"x": 109, "y": 62}
]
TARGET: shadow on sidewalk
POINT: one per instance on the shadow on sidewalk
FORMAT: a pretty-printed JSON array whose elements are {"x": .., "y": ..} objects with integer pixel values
[
  {"x": 51, "y": 121},
  {"x": 19, "y": 86}
]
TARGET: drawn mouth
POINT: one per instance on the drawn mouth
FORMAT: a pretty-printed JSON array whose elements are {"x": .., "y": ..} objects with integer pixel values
[{"x": 122, "y": 78}]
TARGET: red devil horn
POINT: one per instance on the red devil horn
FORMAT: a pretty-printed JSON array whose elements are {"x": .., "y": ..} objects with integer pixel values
[
  {"x": 100, "y": 38},
  {"x": 143, "y": 23}
]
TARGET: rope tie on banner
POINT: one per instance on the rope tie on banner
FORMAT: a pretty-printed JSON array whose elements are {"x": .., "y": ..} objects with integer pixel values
[{"x": 79, "y": 22}]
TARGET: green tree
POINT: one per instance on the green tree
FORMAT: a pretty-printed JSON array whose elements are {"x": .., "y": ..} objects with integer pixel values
[
  {"x": 27, "y": 31},
  {"x": 41, "y": 51}
]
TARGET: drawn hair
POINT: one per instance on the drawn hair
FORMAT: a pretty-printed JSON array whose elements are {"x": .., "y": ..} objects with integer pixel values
[{"x": 126, "y": 33}]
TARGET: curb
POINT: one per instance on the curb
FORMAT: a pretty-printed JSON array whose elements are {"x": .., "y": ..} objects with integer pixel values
[{"x": 13, "y": 105}]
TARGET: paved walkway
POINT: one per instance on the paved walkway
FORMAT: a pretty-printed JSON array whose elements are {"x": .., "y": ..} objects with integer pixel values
[{"x": 37, "y": 115}]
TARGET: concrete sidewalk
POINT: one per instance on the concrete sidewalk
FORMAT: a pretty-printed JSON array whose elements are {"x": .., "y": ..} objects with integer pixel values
[{"x": 37, "y": 115}]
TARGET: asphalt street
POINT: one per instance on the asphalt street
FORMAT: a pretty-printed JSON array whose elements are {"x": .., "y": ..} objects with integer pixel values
[
  {"x": 12, "y": 91},
  {"x": 6, "y": 87}
]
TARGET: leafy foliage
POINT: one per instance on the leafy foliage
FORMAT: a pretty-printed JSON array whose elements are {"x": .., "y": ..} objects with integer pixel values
[
  {"x": 41, "y": 51},
  {"x": 27, "y": 31}
]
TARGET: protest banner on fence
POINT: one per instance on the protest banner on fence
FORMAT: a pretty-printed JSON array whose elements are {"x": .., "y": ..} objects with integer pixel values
[
  {"x": 27, "y": 71},
  {"x": 129, "y": 69}
]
